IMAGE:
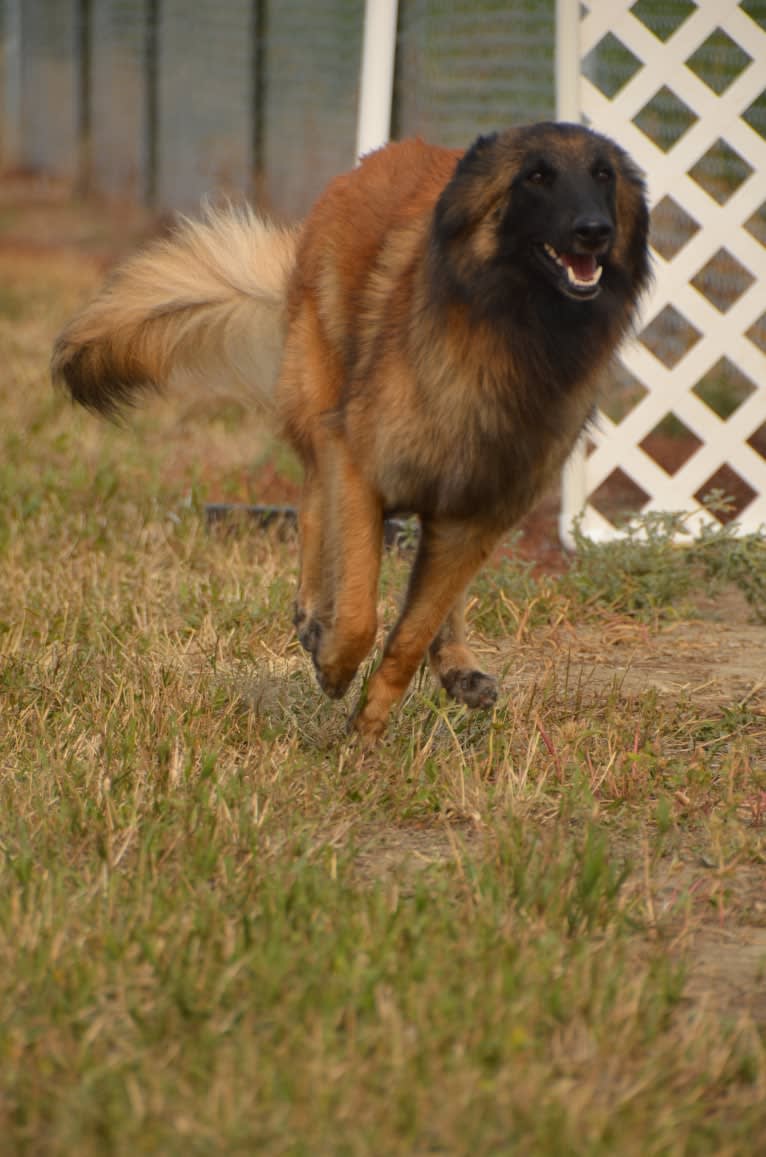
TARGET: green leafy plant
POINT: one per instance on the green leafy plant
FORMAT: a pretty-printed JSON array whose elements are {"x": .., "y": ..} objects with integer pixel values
[{"x": 657, "y": 562}]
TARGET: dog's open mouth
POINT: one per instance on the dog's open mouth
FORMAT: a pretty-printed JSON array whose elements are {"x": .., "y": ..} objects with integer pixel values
[{"x": 577, "y": 274}]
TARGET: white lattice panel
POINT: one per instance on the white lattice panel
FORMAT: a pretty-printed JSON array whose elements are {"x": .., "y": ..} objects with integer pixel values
[{"x": 700, "y": 353}]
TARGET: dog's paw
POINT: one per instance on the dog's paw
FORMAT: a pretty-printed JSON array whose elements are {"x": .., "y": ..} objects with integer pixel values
[
  {"x": 308, "y": 630},
  {"x": 335, "y": 684},
  {"x": 334, "y": 675},
  {"x": 472, "y": 687},
  {"x": 365, "y": 726}
]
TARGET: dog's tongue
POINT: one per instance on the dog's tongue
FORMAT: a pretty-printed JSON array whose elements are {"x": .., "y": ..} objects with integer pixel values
[{"x": 583, "y": 265}]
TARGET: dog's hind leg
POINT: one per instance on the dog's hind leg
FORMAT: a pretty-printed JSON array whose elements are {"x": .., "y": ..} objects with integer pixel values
[
  {"x": 454, "y": 663},
  {"x": 352, "y": 542},
  {"x": 448, "y": 556}
]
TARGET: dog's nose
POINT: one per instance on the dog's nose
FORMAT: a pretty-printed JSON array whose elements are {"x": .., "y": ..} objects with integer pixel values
[{"x": 592, "y": 233}]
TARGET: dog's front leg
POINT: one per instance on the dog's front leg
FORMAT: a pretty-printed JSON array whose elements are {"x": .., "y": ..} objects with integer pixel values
[{"x": 449, "y": 555}]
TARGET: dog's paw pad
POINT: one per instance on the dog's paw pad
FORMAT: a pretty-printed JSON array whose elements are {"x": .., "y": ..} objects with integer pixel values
[{"x": 471, "y": 687}]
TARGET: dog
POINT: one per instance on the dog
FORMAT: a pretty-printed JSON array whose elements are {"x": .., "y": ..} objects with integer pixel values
[{"x": 430, "y": 340}]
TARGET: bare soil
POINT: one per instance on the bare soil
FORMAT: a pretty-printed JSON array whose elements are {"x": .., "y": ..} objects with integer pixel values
[{"x": 718, "y": 658}]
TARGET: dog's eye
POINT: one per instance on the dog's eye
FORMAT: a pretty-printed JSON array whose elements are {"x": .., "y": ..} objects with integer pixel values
[
  {"x": 603, "y": 174},
  {"x": 540, "y": 177}
]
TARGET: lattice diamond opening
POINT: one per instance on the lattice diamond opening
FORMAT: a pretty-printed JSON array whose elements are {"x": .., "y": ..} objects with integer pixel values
[
  {"x": 687, "y": 411},
  {"x": 662, "y": 19},
  {"x": 719, "y": 61},
  {"x": 670, "y": 444},
  {"x": 756, "y": 226},
  {"x": 619, "y": 497},
  {"x": 724, "y": 388},
  {"x": 725, "y": 494},
  {"x": 665, "y": 119},
  {"x": 722, "y": 280},
  {"x": 757, "y": 333},
  {"x": 624, "y": 394},
  {"x": 670, "y": 336},
  {"x": 671, "y": 227},
  {"x": 611, "y": 65},
  {"x": 721, "y": 171},
  {"x": 755, "y": 115}
]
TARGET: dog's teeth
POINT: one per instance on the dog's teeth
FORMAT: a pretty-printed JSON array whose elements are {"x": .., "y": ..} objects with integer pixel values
[
  {"x": 552, "y": 253},
  {"x": 575, "y": 280}
]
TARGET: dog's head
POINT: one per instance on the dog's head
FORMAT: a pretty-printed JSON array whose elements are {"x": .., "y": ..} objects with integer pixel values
[{"x": 550, "y": 207}]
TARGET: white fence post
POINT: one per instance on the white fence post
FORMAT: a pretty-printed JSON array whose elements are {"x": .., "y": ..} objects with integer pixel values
[
  {"x": 376, "y": 84},
  {"x": 568, "y": 60},
  {"x": 573, "y": 486}
]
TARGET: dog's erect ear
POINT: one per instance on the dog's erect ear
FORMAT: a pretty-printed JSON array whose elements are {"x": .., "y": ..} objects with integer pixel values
[
  {"x": 472, "y": 160},
  {"x": 458, "y": 206}
]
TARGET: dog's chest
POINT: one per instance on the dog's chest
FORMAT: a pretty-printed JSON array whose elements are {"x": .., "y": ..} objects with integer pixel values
[{"x": 479, "y": 448}]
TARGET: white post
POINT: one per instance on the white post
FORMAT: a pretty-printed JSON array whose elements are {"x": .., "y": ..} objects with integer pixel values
[
  {"x": 568, "y": 60},
  {"x": 573, "y": 494},
  {"x": 573, "y": 491},
  {"x": 377, "y": 76}
]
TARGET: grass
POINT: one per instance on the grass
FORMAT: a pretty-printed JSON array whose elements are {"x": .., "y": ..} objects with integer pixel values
[{"x": 223, "y": 930}]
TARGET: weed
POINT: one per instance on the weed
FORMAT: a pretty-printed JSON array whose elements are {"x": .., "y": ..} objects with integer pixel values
[{"x": 656, "y": 563}]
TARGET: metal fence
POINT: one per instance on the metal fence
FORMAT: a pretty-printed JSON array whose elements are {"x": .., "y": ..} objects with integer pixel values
[{"x": 169, "y": 100}]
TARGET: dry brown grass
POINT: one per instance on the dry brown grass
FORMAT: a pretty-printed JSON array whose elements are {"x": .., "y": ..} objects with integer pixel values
[{"x": 223, "y": 930}]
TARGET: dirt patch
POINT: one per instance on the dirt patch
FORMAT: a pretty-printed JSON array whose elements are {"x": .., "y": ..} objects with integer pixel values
[
  {"x": 721, "y": 935},
  {"x": 715, "y": 659},
  {"x": 706, "y": 660},
  {"x": 727, "y": 971},
  {"x": 406, "y": 852}
]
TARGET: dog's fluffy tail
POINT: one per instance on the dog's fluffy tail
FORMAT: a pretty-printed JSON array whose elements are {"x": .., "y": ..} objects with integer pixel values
[{"x": 205, "y": 306}]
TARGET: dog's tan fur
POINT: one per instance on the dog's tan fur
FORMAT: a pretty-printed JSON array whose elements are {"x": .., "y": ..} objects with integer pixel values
[{"x": 398, "y": 370}]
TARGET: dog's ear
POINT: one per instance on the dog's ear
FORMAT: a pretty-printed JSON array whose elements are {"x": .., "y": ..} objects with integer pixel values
[
  {"x": 476, "y": 156},
  {"x": 456, "y": 208}
]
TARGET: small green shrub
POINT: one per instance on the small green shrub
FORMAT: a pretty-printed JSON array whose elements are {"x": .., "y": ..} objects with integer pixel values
[{"x": 658, "y": 563}]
